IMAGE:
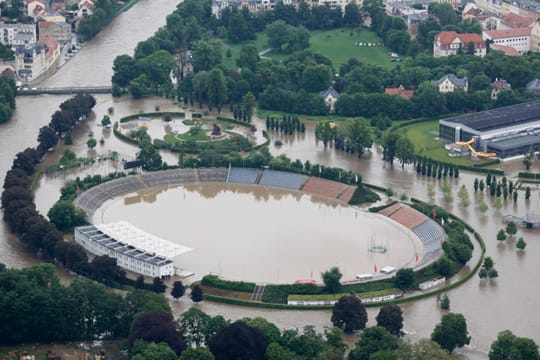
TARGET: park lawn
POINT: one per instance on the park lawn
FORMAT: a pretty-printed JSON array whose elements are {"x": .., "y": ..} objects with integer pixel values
[
  {"x": 423, "y": 137},
  {"x": 260, "y": 42},
  {"x": 339, "y": 46}
]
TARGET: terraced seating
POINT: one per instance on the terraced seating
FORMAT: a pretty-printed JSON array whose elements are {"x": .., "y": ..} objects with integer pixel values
[
  {"x": 347, "y": 195},
  {"x": 213, "y": 174},
  {"x": 169, "y": 177},
  {"x": 431, "y": 236},
  {"x": 322, "y": 187},
  {"x": 121, "y": 186},
  {"x": 243, "y": 176},
  {"x": 91, "y": 200},
  {"x": 282, "y": 179}
]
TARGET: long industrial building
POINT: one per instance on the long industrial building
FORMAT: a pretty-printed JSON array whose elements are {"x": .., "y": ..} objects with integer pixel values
[
  {"x": 134, "y": 249},
  {"x": 507, "y": 131}
]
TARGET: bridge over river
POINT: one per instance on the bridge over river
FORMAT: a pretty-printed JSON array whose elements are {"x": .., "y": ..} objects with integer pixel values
[{"x": 65, "y": 90}]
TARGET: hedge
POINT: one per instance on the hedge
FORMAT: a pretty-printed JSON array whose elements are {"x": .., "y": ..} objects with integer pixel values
[
  {"x": 214, "y": 281},
  {"x": 528, "y": 175},
  {"x": 118, "y": 134},
  {"x": 159, "y": 113},
  {"x": 364, "y": 295}
]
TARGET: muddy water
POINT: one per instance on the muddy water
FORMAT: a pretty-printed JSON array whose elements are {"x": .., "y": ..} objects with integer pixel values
[
  {"x": 259, "y": 234},
  {"x": 507, "y": 303}
]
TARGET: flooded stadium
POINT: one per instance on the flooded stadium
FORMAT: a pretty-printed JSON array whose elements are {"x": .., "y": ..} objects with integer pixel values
[{"x": 265, "y": 234}]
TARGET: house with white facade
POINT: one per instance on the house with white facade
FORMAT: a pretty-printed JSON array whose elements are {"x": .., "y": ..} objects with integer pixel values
[
  {"x": 31, "y": 61},
  {"x": 448, "y": 43},
  {"x": 86, "y": 7},
  {"x": 519, "y": 39},
  {"x": 535, "y": 36},
  {"x": 497, "y": 86},
  {"x": 451, "y": 83},
  {"x": 330, "y": 97}
]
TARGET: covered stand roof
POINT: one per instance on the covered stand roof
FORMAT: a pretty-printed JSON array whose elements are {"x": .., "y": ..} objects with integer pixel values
[{"x": 126, "y": 233}]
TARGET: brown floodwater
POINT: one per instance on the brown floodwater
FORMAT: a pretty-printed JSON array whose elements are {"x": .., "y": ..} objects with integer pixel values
[
  {"x": 510, "y": 302},
  {"x": 264, "y": 235}
]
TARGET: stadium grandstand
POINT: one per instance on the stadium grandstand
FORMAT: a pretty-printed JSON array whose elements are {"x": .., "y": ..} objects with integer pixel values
[
  {"x": 427, "y": 230},
  {"x": 507, "y": 131},
  {"x": 134, "y": 249}
]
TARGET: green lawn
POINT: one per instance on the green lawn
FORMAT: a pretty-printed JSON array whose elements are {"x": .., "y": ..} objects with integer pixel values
[
  {"x": 338, "y": 45},
  {"x": 423, "y": 137}
]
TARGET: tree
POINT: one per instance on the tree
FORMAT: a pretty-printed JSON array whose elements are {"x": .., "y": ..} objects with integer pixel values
[
  {"x": 158, "y": 286},
  {"x": 405, "y": 150},
  {"x": 249, "y": 57},
  {"x": 217, "y": 88},
  {"x": 248, "y": 104},
  {"x": 196, "y": 294},
  {"x": 452, "y": 332},
  {"x": 325, "y": 132},
  {"x": 178, "y": 290},
  {"x": 206, "y": 55},
  {"x": 511, "y": 228},
  {"x": 444, "y": 303},
  {"x": 390, "y": 317},
  {"x": 194, "y": 323},
  {"x": 373, "y": 340},
  {"x": 349, "y": 314},
  {"x": 352, "y": 16},
  {"x": 527, "y": 193},
  {"x": 424, "y": 349},
  {"x": 152, "y": 351},
  {"x": 510, "y": 347},
  {"x": 521, "y": 244},
  {"x": 405, "y": 279},
  {"x": 91, "y": 143},
  {"x": 65, "y": 216},
  {"x": 270, "y": 331},
  {"x": 390, "y": 147},
  {"x": 501, "y": 235},
  {"x": 196, "y": 354},
  {"x": 47, "y": 139},
  {"x": 157, "y": 327},
  {"x": 238, "y": 341},
  {"x": 316, "y": 78},
  {"x": 277, "y": 32},
  {"x": 488, "y": 263},
  {"x": 150, "y": 157},
  {"x": 331, "y": 279},
  {"x": 359, "y": 135},
  {"x": 106, "y": 120}
]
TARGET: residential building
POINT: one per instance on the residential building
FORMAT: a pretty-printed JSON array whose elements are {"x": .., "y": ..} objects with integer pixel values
[
  {"x": 400, "y": 91},
  {"x": 60, "y": 31},
  {"x": 86, "y": 7},
  {"x": 515, "y": 21},
  {"x": 451, "y": 83},
  {"x": 8, "y": 32},
  {"x": 448, "y": 43},
  {"x": 35, "y": 8},
  {"x": 33, "y": 60},
  {"x": 133, "y": 249},
  {"x": 330, "y": 97},
  {"x": 497, "y": 86},
  {"x": 519, "y": 39}
]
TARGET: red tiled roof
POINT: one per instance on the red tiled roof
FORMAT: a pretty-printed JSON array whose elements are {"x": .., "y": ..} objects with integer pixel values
[
  {"x": 517, "y": 21},
  {"x": 507, "y": 50},
  {"x": 401, "y": 91},
  {"x": 447, "y": 37},
  {"x": 44, "y": 24},
  {"x": 327, "y": 188},
  {"x": 500, "y": 84},
  {"x": 502, "y": 34}
]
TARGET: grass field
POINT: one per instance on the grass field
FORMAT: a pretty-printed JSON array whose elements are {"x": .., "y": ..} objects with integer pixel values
[
  {"x": 338, "y": 45},
  {"x": 423, "y": 137}
]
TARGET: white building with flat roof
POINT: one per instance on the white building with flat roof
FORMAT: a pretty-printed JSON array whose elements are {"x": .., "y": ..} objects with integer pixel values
[{"x": 133, "y": 249}]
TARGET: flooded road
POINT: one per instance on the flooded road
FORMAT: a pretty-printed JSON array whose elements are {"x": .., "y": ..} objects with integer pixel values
[{"x": 507, "y": 303}]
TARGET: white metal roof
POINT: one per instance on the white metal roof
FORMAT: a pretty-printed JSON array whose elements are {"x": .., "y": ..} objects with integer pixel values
[{"x": 124, "y": 232}]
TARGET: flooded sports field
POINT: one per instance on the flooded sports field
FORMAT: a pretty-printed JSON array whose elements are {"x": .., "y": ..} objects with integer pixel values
[{"x": 265, "y": 235}]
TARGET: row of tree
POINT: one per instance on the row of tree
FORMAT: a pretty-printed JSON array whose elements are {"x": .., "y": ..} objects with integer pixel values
[
  {"x": 8, "y": 91},
  {"x": 33, "y": 228}
]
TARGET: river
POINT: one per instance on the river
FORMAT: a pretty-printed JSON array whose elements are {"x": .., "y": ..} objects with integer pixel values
[{"x": 507, "y": 303}]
